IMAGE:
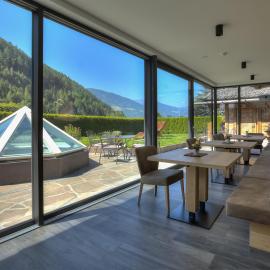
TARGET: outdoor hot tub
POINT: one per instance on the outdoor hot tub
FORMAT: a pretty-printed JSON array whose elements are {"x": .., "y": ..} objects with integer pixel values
[{"x": 63, "y": 154}]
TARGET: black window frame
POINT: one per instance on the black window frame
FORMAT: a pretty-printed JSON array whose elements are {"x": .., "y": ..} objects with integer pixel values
[{"x": 151, "y": 65}]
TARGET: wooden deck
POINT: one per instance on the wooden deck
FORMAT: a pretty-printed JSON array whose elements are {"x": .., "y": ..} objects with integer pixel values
[{"x": 116, "y": 234}]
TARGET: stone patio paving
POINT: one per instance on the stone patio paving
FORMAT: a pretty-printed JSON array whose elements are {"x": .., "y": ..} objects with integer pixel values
[{"x": 16, "y": 200}]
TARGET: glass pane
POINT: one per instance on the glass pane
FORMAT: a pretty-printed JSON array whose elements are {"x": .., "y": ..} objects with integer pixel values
[
  {"x": 255, "y": 103},
  {"x": 172, "y": 109},
  {"x": 227, "y": 110},
  {"x": 64, "y": 142},
  {"x": 20, "y": 142},
  {"x": 15, "y": 93},
  {"x": 4, "y": 125},
  {"x": 202, "y": 112},
  {"x": 95, "y": 93}
]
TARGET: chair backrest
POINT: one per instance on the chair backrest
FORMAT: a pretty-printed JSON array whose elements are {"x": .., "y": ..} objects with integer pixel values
[
  {"x": 90, "y": 135},
  {"x": 142, "y": 153},
  {"x": 116, "y": 133},
  {"x": 218, "y": 137},
  {"x": 190, "y": 141}
]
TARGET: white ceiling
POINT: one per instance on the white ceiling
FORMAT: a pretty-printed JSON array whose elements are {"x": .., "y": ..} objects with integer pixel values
[{"x": 182, "y": 32}]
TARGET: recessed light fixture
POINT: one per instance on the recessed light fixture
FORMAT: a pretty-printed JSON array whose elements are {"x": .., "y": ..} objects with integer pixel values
[
  {"x": 223, "y": 53},
  {"x": 243, "y": 64},
  {"x": 252, "y": 77},
  {"x": 219, "y": 30}
]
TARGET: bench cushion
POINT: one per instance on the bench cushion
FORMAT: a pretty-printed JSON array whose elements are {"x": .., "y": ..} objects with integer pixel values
[{"x": 250, "y": 201}]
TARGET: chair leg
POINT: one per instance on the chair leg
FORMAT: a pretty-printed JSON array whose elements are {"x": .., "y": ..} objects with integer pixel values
[
  {"x": 182, "y": 189},
  {"x": 140, "y": 194},
  {"x": 155, "y": 190},
  {"x": 100, "y": 154},
  {"x": 167, "y": 196}
]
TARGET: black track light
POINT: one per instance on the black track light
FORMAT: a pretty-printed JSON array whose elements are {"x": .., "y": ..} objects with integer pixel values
[
  {"x": 244, "y": 64},
  {"x": 252, "y": 77},
  {"x": 219, "y": 30}
]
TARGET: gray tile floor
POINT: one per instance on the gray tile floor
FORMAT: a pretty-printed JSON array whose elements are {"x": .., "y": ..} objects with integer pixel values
[{"x": 116, "y": 234}]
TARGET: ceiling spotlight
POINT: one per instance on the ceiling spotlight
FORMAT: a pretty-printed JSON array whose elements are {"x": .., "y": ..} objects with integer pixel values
[
  {"x": 252, "y": 77},
  {"x": 219, "y": 30},
  {"x": 223, "y": 53},
  {"x": 244, "y": 64}
]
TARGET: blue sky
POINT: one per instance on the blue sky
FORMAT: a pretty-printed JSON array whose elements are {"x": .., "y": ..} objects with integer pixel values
[{"x": 88, "y": 61}]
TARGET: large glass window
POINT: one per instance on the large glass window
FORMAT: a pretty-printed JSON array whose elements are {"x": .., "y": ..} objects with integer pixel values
[
  {"x": 172, "y": 106},
  {"x": 255, "y": 103},
  {"x": 227, "y": 110},
  {"x": 93, "y": 116},
  {"x": 15, "y": 115},
  {"x": 202, "y": 111}
]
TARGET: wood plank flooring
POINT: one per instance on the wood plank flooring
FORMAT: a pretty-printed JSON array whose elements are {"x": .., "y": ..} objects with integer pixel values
[{"x": 116, "y": 234}]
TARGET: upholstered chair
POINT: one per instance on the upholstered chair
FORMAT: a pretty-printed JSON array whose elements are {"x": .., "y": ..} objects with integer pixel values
[{"x": 151, "y": 175}]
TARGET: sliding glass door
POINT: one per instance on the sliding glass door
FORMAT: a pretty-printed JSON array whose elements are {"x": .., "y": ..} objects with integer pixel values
[
  {"x": 255, "y": 104},
  {"x": 93, "y": 116},
  {"x": 172, "y": 106},
  {"x": 227, "y": 110},
  {"x": 15, "y": 115}
]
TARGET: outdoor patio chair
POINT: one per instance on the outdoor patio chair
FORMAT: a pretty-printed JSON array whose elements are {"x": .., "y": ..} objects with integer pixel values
[
  {"x": 93, "y": 142},
  {"x": 108, "y": 149},
  {"x": 151, "y": 175}
]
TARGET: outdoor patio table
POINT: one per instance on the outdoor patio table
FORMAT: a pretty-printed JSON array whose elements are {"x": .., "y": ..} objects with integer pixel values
[
  {"x": 125, "y": 150},
  {"x": 245, "y": 145},
  {"x": 195, "y": 209}
]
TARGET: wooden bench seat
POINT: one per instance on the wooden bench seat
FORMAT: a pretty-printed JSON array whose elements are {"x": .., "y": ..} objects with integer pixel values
[{"x": 251, "y": 201}]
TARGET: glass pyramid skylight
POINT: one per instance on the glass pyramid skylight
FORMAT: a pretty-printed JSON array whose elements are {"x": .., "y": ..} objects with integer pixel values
[{"x": 16, "y": 137}]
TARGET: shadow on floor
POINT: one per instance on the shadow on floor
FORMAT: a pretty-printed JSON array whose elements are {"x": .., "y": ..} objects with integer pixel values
[{"x": 116, "y": 234}]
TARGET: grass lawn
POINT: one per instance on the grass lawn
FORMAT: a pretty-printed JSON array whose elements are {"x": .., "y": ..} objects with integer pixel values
[
  {"x": 163, "y": 140},
  {"x": 169, "y": 139}
]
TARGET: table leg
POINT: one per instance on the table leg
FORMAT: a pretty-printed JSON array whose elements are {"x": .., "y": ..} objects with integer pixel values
[
  {"x": 203, "y": 187},
  {"x": 195, "y": 211},
  {"x": 192, "y": 191},
  {"x": 246, "y": 156}
]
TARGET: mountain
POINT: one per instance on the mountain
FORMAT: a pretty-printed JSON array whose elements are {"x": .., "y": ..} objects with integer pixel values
[
  {"x": 129, "y": 107},
  {"x": 61, "y": 94},
  {"x": 168, "y": 110},
  {"x": 132, "y": 108},
  {"x": 171, "y": 111}
]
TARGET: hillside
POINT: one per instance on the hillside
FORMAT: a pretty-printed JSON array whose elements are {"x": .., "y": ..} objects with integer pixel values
[
  {"x": 61, "y": 94},
  {"x": 132, "y": 108},
  {"x": 129, "y": 107}
]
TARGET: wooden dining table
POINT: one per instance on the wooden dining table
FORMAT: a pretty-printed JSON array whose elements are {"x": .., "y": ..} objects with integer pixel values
[
  {"x": 231, "y": 146},
  {"x": 196, "y": 210},
  {"x": 249, "y": 138}
]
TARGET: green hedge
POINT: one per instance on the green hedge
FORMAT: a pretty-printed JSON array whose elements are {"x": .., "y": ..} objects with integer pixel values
[
  {"x": 98, "y": 123},
  {"x": 9, "y": 107},
  {"x": 174, "y": 125}
]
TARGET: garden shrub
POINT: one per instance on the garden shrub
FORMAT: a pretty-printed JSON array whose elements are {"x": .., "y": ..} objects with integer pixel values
[{"x": 73, "y": 131}]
